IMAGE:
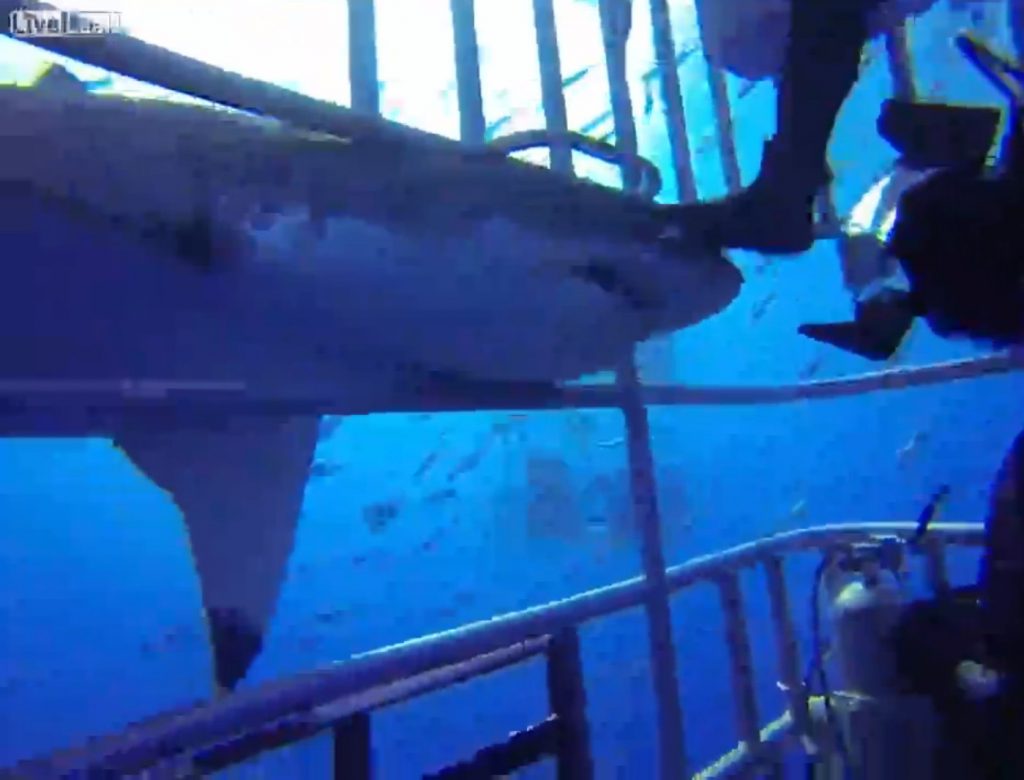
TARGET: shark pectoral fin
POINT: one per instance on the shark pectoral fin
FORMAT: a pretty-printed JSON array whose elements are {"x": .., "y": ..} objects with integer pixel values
[
  {"x": 240, "y": 488},
  {"x": 876, "y": 332}
]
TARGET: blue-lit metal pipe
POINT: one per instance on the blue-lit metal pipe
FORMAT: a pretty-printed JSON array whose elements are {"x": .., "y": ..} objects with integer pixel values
[
  {"x": 166, "y": 735},
  {"x": 467, "y": 72},
  {"x": 552, "y": 95},
  {"x": 362, "y": 56}
]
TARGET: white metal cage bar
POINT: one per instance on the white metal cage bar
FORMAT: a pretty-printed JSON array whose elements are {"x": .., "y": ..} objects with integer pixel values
[{"x": 374, "y": 679}]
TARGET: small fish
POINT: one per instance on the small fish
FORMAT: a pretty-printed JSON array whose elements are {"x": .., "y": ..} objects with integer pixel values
[
  {"x": 427, "y": 464},
  {"x": 472, "y": 460},
  {"x": 439, "y": 496},
  {"x": 762, "y": 306},
  {"x": 812, "y": 367},
  {"x": 329, "y": 615},
  {"x": 378, "y": 515},
  {"x": 322, "y": 468},
  {"x": 907, "y": 452}
]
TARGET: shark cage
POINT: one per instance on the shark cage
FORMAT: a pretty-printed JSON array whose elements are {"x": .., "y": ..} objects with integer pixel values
[{"x": 864, "y": 722}]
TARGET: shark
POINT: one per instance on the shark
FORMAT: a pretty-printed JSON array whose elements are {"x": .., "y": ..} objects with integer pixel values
[{"x": 162, "y": 243}]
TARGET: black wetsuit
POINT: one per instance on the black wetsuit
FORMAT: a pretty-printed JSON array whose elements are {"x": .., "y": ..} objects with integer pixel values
[{"x": 820, "y": 67}]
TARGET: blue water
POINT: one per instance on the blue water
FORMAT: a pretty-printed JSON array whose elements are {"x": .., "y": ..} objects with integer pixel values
[{"x": 99, "y": 606}]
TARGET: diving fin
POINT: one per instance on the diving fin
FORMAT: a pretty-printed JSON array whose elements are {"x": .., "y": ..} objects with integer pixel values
[
  {"x": 877, "y": 330},
  {"x": 936, "y": 135}
]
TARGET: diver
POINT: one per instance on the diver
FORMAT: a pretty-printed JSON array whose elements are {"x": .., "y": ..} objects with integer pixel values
[
  {"x": 964, "y": 649},
  {"x": 957, "y": 234},
  {"x": 820, "y": 66}
]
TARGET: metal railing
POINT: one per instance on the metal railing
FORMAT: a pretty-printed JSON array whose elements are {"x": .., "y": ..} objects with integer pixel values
[
  {"x": 341, "y": 698},
  {"x": 305, "y": 698}
]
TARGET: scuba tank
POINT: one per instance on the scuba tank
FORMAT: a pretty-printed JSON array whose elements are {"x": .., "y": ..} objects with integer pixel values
[{"x": 866, "y": 723}]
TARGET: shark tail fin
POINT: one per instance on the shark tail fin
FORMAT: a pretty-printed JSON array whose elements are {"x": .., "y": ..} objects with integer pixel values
[{"x": 877, "y": 330}]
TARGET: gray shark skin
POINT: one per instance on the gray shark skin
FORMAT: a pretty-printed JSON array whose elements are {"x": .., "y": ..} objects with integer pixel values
[{"x": 166, "y": 242}]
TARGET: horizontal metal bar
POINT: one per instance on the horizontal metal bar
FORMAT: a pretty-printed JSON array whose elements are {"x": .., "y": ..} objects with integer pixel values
[
  {"x": 168, "y": 69},
  {"x": 279, "y": 734},
  {"x": 746, "y": 555},
  {"x": 67, "y": 409},
  {"x": 247, "y": 710},
  {"x": 741, "y": 759},
  {"x": 520, "y": 750}
]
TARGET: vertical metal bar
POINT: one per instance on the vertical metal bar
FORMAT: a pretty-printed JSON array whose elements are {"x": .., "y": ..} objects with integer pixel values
[
  {"x": 901, "y": 69},
  {"x": 657, "y": 355},
  {"x": 568, "y": 699},
  {"x": 723, "y": 118},
  {"x": 672, "y": 97},
  {"x": 362, "y": 56},
  {"x": 741, "y": 661},
  {"x": 1015, "y": 22},
  {"x": 467, "y": 72},
  {"x": 935, "y": 565},
  {"x": 615, "y": 23},
  {"x": 352, "y": 749},
  {"x": 671, "y": 742},
  {"x": 723, "y": 128},
  {"x": 786, "y": 645},
  {"x": 552, "y": 95}
]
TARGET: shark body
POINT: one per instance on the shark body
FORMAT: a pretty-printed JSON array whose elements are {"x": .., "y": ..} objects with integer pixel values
[{"x": 164, "y": 242}]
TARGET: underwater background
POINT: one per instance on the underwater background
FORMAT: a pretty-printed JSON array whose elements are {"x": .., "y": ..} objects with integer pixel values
[{"x": 414, "y": 524}]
